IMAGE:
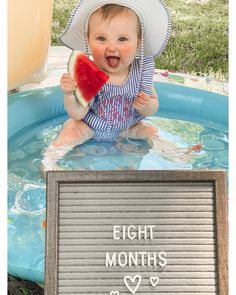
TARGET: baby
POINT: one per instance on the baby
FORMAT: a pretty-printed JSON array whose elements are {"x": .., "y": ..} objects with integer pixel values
[{"x": 114, "y": 37}]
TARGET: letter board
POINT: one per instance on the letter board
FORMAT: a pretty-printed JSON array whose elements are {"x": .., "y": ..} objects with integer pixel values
[{"x": 136, "y": 232}]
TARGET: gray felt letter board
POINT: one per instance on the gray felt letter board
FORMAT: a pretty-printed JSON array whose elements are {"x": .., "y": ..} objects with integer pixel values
[{"x": 136, "y": 232}]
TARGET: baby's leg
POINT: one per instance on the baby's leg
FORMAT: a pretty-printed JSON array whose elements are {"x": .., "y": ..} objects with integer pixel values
[
  {"x": 171, "y": 151},
  {"x": 140, "y": 131},
  {"x": 164, "y": 147},
  {"x": 73, "y": 133}
]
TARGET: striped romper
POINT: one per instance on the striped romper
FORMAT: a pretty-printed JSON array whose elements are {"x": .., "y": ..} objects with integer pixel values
[{"x": 111, "y": 110}]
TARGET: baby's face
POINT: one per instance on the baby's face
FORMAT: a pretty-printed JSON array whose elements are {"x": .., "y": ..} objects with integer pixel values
[{"x": 113, "y": 43}]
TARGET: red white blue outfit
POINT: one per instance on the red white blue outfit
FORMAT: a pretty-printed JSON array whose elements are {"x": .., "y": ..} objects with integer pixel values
[{"x": 111, "y": 110}]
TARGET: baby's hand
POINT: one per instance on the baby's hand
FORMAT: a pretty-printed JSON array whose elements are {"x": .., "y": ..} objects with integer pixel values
[
  {"x": 146, "y": 105},
  {"x": 141, "y": 102},
  {"x": 67, "y": 84}
]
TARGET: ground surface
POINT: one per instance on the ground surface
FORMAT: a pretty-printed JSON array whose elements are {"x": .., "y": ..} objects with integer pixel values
[{"x": 20, "y": 287}]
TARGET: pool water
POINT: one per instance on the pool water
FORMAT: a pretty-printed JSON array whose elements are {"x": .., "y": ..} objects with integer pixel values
[
  {"x": 26, "y": 150},
  {"x": 27, "y": 192}
]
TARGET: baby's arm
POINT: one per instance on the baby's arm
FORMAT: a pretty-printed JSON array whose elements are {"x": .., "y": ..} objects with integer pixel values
[
  {"x": 74, "y": 109},
  {"x": 146, "y": 105}
]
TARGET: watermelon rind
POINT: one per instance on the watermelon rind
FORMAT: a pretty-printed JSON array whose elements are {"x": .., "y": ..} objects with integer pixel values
[
  {"x": 71, "y": 63},
  {"x": 83, "y": 96}
]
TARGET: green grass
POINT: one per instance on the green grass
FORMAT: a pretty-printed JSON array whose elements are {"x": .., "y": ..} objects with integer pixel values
[
  {"x": 199, "y": 39},
  {"x": 61, "y": 13},
  {"x": 198, "y": 43}
]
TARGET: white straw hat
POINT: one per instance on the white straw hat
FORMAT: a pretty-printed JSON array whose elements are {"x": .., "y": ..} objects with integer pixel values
[{"x": 153, "y": 14}]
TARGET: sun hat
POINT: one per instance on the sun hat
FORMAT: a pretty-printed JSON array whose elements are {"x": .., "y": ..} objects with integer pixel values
[{"x": 153, "y": 15}]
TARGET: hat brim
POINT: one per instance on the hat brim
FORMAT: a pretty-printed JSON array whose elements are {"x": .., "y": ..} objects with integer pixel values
[{"x": 153, "y": 14}]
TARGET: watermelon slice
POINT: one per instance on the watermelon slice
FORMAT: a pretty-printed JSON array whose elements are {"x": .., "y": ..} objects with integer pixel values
[{"x": 88, "y": 76}]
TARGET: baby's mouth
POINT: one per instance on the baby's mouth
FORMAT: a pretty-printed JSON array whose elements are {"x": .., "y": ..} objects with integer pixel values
[{"x": 113, "y": 61}]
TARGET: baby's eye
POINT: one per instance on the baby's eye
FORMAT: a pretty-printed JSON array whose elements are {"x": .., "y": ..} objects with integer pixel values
[
  {"x": 122, "y": 39},
  {"x": 101, "y": 38}
]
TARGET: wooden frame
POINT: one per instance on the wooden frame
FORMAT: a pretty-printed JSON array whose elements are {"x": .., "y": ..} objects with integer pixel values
[{"x": 215, "y": 177}]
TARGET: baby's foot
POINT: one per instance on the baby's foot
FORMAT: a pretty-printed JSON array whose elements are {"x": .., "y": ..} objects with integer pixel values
[
  {"x": 171, "y": 151},
  {"x": 51, "y": 157},
  {"x": 189, "y": 154},
  {"x": 194, "y": 149},
  {"x": 49, "y": 166}
]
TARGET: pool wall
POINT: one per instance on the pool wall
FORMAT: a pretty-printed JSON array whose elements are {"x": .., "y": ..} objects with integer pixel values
[{"x": 175, "y": 101}]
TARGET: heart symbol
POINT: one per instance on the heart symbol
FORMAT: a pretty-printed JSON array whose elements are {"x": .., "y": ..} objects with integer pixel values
[
  {"x": 114, "y": 293},
  {"x": 154, "y": 281},
  {"x": 135, "y": 281}
]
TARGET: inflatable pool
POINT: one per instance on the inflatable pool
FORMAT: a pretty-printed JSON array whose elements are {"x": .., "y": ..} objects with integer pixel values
[{"x": 186, "y": 116}]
